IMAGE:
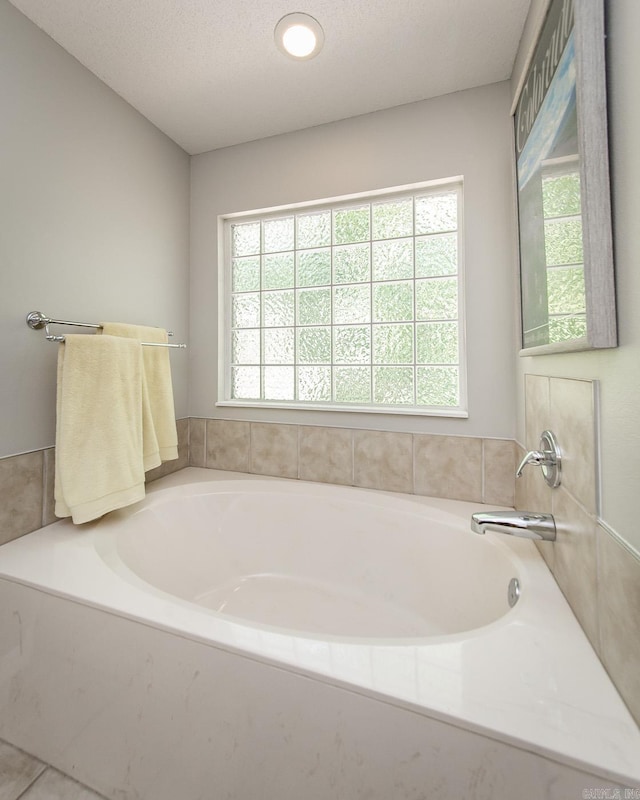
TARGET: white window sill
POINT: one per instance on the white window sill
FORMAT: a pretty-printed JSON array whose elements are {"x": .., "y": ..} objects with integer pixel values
[{"x": 458, "y": 413}]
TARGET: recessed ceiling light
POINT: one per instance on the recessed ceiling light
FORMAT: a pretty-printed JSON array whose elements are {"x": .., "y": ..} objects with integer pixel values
[{"x": 299, "y": 36}]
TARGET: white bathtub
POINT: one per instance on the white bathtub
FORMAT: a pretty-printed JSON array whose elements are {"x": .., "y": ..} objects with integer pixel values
[
  {"x": 313, "y": 560},
  {"x": 280, "y": 639}
]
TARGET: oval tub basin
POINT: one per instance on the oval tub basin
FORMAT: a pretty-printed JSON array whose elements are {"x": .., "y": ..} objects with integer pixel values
[{"x": 317, "y": 560}]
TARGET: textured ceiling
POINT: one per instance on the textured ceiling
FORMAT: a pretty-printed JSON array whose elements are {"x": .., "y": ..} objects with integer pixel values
[{"x": 208, "y": 74}]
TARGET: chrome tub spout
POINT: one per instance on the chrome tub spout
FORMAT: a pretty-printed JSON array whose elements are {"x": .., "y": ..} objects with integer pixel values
[{"x": 525, "y": 524}]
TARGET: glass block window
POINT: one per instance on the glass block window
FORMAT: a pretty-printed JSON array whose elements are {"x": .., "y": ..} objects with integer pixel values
[{"x": 354, "y": 304}]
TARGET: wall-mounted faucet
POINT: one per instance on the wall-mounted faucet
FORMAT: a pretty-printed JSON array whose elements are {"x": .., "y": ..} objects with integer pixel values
[
  {"x": 527, "y": 524},
  {"x": 524, "y": 524},
  {"x": 548, "y": 458}
]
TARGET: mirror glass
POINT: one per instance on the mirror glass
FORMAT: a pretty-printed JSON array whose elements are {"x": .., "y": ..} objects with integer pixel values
[{"x": 562, "y": 257}]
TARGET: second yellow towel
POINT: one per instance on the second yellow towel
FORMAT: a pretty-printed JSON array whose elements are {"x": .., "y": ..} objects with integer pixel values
[{"x": 160, "y": 437}]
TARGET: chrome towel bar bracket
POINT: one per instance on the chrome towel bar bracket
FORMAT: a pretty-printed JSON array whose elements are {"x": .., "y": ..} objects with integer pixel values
[{"x": 36, "y": 320}]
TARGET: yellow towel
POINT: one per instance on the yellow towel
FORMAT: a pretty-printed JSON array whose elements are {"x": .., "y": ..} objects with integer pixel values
[
  {"x": 160, "y": 437},
  {"x": 99, "y": 426}
]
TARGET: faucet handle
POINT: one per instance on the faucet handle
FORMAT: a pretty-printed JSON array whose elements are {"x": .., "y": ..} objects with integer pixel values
[
  {"x": 548, "y": 458},
  {"x": 535, "y": 457}
]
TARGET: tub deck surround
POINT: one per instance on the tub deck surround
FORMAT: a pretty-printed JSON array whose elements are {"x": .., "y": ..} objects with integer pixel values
[{"x": 529, "y": 679}]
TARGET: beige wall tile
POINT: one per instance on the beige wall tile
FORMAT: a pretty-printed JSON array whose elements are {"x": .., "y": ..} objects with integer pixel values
[
  {"x": 532, "y": 491},
  {"x": 197, "y": 453},
  {"x": 383, "y": 460},
  {"x": 547, "y": 552},
  {"x": 48, "y": 515},
  {"x": 536, "y": 405},
  {"x": 575, "y": 567},
  {"x": 167, "y": 467},
  {"x": 21, "y": 494},
  {"x": 572, "y": 420},
  {"x": 227, "y": 445},
  {"x": 499, "y": 464},
  {"x": 158, "y": 472},
  {"x": 521, "y": 500},
  {"x": 274, "y": 450},
  {"x": 448, "y": 466},
  {"x": 326, "y": 455},
  {"x": 182, "y": 426},
  {"x": 619, "y": 607}
]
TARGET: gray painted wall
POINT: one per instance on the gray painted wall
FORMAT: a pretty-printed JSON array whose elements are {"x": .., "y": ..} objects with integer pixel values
[
  {"x": 467, "y": 133},
  {"x": 94, "y": 221}
]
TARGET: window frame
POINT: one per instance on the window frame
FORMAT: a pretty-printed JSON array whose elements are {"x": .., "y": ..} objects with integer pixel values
[{"x": 225, "y": 222}]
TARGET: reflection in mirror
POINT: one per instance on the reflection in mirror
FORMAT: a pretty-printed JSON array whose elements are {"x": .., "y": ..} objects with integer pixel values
[
  {"x": 566, "y": 307},
  {"x": 554, "y": 308}
]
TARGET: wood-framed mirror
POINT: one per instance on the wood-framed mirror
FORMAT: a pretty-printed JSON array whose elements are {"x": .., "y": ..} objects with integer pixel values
[{"x": 567, "y": 283}]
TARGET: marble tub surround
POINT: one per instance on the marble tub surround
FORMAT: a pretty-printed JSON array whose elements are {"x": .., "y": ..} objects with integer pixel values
[
  {"x": 452, "y": 467},
  {"x": 598, "y": 574},
  {"x": 202, "y": 705},
  {"x": 529, "y": 715},
  {"x": 26, "y": 486}
]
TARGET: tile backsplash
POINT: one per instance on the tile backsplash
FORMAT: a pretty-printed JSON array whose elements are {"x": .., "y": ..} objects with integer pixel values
[
  {"x": 22, "y": 493},
  {"x": 455, "y": 467},
  {"x": 598, "y": 574}
]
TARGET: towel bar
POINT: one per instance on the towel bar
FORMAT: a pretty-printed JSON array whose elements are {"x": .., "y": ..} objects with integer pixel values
[{"x": 36, "y": 320}]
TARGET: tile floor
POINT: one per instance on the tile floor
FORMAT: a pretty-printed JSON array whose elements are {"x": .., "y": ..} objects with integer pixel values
[{"x": 23, "y": 776}]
